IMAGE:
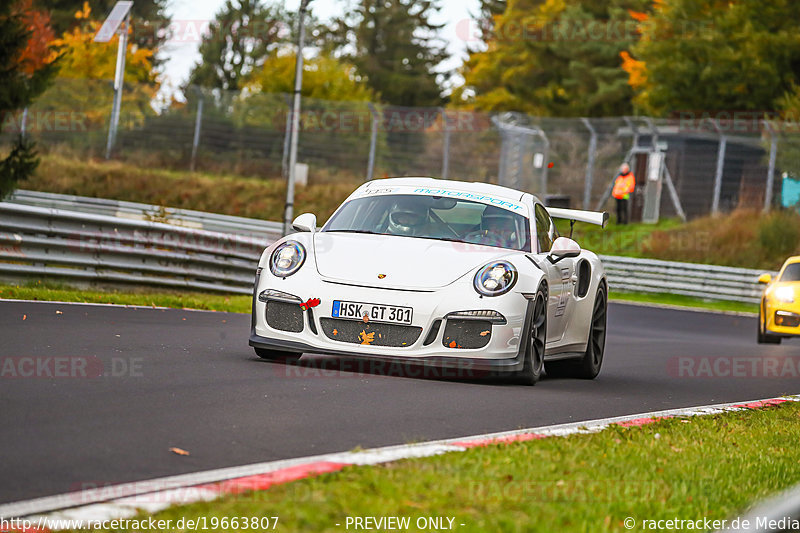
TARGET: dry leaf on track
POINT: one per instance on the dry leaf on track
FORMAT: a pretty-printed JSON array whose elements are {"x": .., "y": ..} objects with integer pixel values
[{"x": 178, "y": 451}]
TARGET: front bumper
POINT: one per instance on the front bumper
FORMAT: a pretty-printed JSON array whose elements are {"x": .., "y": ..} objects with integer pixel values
[
  {"x": 503, "y": 352},
  {"x": 464, "y": 366},
  {"x": 783, "y": 320}
]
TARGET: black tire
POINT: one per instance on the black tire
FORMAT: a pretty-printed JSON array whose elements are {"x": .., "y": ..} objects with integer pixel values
[
  {"x": 763, "y": 337},
  {"x": 535, "y": 342},
  {"x": 588, "y": 366},
  {"x": 277, "y": 355}
]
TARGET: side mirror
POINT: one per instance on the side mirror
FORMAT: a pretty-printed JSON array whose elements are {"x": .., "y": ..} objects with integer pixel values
[
  {"x": 765, "y": 278},
  {"x": 305, "y": 222},
  {"x": 562, "y": 248}
]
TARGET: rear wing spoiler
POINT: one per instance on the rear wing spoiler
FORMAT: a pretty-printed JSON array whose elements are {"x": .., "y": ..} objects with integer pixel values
[{"x": 599, "y": 218}]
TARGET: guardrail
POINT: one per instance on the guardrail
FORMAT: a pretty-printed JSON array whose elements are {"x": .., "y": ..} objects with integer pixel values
[
  {"x": 39, "y": 241},
  {"x": 135, "y": 211},
  {"x": 711, "y": 282},
  {"x": 91, "y": 239}
]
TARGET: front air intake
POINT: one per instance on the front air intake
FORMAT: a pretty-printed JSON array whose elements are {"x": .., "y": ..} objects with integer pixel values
[
  {"x": 469, "y": 334},
  {"x": 284, "y": 316}
]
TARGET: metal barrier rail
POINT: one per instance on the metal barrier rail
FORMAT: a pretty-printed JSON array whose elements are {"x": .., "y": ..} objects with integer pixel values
[
  {"x": 153, "y": 213},
  {"x": 74, "y": 237},
  {"x": 38, "y": 241},
  {"x": 711, "y": 282}
]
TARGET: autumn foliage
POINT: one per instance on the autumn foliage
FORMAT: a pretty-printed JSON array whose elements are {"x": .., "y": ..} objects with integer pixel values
[
  {"x": 38, "y": 49},
  {"x": 85, "y": 59}
]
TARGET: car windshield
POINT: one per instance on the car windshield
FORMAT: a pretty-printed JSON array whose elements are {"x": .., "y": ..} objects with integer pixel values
[
  {"x": 791, "y": 272},
  {"x": 433, "y": 217}
]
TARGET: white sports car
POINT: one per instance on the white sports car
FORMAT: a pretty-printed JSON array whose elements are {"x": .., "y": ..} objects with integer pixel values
[{"x": 459, "y": 275}]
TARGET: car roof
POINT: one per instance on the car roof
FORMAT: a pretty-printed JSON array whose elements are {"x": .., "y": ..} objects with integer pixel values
[
  {"x": 470, "y": 186},
  {"x": 793, "y": 259}
]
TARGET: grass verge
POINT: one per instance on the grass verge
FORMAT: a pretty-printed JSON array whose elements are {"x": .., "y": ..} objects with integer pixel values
[
  {"x": 683, "y": 301},
  {"x": 214, "y": 193},
  {"x": 688, "y": 469},
  {"x": 630, "y": 240},
  {"x": 181, "y": 300}
]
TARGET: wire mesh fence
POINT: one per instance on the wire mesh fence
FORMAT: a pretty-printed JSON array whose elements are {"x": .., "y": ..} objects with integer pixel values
[{"x": 708, "y": 161}]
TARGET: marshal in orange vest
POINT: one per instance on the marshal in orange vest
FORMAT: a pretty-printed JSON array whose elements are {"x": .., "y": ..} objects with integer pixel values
[{"x": 624, "y": 186}]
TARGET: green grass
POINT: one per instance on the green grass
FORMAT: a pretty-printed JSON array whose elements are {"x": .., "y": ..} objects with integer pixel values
[
  {"x": 683, "y": 301},
  {"x": 54, "y": 292},
  {"x": 710, "y": 466},
  {"x": 628, "y": 240}
]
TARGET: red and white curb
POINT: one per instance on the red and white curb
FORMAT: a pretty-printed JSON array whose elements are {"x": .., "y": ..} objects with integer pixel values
[{"x": 126, "y": 500}]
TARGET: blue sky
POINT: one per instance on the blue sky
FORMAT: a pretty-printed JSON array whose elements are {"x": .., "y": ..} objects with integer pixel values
[{"x": 181, "y": 55}]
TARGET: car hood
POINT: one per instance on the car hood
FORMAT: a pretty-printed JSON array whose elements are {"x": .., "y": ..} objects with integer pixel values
[{"x": 406, "y": 262}]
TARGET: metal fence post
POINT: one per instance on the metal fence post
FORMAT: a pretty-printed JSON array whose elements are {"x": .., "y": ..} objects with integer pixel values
[
  {"x": 373, "y": 141},
  {"x": 773, "y": 152},
  {"x": 723, "y": 141},
  {"x": 519, "y": 143},
  {"x": 196, "y": 140},
  {"x": 446, "y": 147},
  {"x": 545, "y": 163},
  {"x": 119, "y": 80},
  {"x": 23, "y": 128},
  {"x": 501, "y": 163},
  {"x": 286, "y": 136},
  {"x": 676, "y": 201},
  {"x": 587, "y": 186}
]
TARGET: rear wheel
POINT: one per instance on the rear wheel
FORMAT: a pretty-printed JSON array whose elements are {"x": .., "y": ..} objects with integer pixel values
[
  {"x": 537, "y": 337},
  {"x": 588, "y": 366},
  {"x": 763, "y": 336},
  {"x": 277, "y": 355}
]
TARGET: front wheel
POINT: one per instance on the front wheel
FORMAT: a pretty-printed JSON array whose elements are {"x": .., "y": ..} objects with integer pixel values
[
  {"x": 535, "y": 342},
  {"x": 763, "y": 336},
  {"x": 277, "y": 355},
  {"x": 588, "y": 366}
]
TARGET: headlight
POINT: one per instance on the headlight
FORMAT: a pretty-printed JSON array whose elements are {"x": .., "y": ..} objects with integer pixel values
[
  {"x": 785, "y": 295},
  {"x": 495, "y": 278},
  {"x": 287, "y": 259}
]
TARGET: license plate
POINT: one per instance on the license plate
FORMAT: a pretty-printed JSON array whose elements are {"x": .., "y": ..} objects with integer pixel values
[{"x": 379, "y": 313}]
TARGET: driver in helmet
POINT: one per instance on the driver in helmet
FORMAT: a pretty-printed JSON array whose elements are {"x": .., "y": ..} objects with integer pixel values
[
  {"x": 497, "y": 227},
  {"x": 408, "y": 218}
]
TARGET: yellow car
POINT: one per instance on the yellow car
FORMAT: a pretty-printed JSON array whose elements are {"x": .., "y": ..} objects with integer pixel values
[{"x": 779, "y": 315}]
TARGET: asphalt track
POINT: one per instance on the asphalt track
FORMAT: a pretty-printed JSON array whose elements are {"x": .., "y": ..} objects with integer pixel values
[{"x": 113, "y": 389}]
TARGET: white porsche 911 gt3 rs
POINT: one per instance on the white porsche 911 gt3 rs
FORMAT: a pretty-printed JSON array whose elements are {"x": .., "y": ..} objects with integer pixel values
[{"x": 459, "y": 275}]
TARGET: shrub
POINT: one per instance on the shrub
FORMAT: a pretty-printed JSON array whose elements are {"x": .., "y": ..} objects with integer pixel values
[{"x": 779, "y": 233}]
